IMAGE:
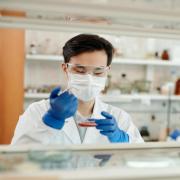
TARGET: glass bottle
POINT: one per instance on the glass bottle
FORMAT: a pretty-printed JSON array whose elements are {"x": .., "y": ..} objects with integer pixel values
[
  {"x": 124, "y": 85},
  {"x": 177, "y": 87},
  {"x": 165, "y": 55}
]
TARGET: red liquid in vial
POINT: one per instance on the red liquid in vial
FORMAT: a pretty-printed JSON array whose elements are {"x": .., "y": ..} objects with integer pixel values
[{"x": 87, "y": 124}]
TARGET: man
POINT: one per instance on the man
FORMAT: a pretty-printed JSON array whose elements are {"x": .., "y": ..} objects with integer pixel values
[{"x": 87, "y": 60}]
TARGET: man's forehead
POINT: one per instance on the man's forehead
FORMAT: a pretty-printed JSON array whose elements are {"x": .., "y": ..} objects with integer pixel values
[{"x": 96, "y": 58}]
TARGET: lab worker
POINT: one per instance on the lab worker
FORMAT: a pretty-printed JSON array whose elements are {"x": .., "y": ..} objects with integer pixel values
[{"x": 87, "y": 60}]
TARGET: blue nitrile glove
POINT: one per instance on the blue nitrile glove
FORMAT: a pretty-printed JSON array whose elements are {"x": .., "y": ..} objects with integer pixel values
[
  {"x": 175, "y": 134},
  {"x": 61, "y": 108},
  {"x": 109, "y": 128}
]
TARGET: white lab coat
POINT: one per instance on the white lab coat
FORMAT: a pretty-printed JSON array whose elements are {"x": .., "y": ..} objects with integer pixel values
[{"x": 31, "y": 129}]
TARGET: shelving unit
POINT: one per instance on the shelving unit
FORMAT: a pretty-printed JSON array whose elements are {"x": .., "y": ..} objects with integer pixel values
[
  {"x": 116, "y": 60},
  {"x": 42, "y": 57},
  {"x": 108, "y": 98},
  {"x": 130, "y": 18},
  {"x": 111, "y": 98}
]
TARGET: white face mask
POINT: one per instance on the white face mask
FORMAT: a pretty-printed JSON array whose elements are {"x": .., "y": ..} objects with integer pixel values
[{"x": 86, "y": 87}]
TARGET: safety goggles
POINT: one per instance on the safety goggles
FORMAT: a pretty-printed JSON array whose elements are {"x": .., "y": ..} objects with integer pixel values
[{"x": 93, "y": 70}]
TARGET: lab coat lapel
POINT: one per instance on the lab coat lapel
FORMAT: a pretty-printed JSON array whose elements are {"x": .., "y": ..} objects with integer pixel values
[
  {"x": 71, "y": 131},
  {"x": 92, "y": 134}
]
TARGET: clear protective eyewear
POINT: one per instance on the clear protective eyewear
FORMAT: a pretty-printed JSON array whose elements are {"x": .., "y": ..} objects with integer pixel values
[{"x": 99, "y": 71}]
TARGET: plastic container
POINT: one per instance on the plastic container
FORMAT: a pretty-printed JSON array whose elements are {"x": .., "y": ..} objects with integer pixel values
[{"x": 142, "y": 85}]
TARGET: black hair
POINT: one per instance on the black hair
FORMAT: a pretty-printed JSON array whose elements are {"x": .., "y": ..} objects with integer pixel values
[{"x": 87, "y": 43}]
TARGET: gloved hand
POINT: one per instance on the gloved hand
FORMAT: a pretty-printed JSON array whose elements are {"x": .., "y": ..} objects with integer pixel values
[
  {"x": 61, "y": 108},
  {"x": 109, "y": 128},
  {"x": 175, "y": 134}
]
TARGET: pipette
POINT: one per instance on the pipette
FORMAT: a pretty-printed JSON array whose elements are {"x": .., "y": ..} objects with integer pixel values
[{"x": 61, "y": 92}]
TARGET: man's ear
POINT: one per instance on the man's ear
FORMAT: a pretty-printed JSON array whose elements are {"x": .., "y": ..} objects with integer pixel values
[{"x": 64, "y": 67}]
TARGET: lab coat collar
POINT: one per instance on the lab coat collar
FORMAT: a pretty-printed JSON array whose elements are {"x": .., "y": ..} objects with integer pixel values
[
  {"x": 92, "y": 133},
  {"x": 71, "y": 130}
]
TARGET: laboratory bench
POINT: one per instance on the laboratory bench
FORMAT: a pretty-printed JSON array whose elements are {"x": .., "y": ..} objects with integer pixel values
[{"x": 144, "y": 161}]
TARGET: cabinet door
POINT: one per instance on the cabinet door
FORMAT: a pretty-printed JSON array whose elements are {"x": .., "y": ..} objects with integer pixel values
[{"x": 12, "y": 45}]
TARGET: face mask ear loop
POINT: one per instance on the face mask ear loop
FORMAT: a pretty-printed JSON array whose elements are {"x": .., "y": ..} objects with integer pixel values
[{"x": 68, "y": 87}]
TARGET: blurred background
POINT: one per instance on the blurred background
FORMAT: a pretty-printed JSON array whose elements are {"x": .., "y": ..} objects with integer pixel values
[{"x": 145, "y": 74}]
